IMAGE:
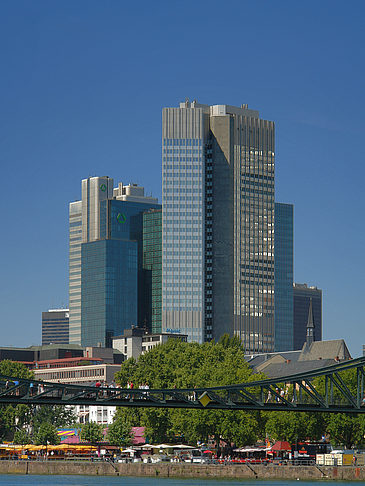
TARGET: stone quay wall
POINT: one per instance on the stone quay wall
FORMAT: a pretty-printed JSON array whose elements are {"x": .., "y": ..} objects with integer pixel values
[{"x": 185, "y": 470}]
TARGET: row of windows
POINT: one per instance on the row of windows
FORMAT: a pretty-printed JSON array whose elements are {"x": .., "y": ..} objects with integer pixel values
[
  {"x": 59, "y": 375},
  {"x": 180, "y": 142}
]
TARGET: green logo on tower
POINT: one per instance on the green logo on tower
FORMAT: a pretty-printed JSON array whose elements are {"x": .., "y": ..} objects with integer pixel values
[
  {"x": 103, "y": 187},
  {"x": 121, "y": 218}
]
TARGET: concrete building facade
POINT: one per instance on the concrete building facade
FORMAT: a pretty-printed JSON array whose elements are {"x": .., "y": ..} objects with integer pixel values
[
  {"x": 134, "y": 342},
  {"x": 218, "y": 224}
]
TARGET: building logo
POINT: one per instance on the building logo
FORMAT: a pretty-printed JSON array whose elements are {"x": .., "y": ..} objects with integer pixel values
[
  {"x": 103, "y": 187},
  {"x": 121, "y": 218},
  {"x": 173, "y": 331}
]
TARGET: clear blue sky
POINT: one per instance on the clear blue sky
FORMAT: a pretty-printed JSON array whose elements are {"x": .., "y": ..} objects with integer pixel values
[{"x": 82, "y": 86}]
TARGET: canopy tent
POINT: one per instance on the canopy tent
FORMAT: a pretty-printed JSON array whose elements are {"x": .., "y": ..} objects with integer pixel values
[
  {"x": 252, "y": 449},
  {"x": 281, "y": 446},
  {"x": 166, "y": 446}
]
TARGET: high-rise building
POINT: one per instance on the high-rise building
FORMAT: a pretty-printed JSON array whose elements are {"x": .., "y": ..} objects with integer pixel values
[
  {"x": 218, "y": 224},
  {"x": 55, "y": 325},
  {"x": 302, "y": 297},
  {"x": 106, "y": 260},
  {"x": 284, "y": 277},
  {"x": 152, "y": 266}
]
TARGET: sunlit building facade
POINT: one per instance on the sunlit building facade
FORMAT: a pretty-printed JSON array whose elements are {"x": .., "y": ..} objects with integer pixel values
[{"x": 218, "y": 224}]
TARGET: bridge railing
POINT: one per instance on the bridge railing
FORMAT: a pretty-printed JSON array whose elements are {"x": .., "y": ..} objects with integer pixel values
[{"x": 337, "y": 388}]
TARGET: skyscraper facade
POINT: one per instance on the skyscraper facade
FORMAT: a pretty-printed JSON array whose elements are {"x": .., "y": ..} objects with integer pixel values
[
  {"x": 152, "y": 266},
  {"x": 83, "y": 227},
  {"x": 218, "y": 224},
  {"x": 302, "y": 296},
  {"x": 106, "y": 260},
  {"x": 55, "y": 326},
  {"x": 284, "y": 277}
]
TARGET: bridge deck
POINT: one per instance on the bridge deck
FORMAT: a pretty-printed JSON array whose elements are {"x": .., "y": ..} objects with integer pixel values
[{"x": 291, "y": 393}]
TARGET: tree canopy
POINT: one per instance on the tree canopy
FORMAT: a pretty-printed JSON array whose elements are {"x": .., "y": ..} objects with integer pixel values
[
  {"x": 91, "y": 432},
  {"x": 187, "y": 365}
]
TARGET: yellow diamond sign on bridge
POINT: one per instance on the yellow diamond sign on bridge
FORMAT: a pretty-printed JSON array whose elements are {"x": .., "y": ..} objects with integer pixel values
[{"x": 204, "y": 399}]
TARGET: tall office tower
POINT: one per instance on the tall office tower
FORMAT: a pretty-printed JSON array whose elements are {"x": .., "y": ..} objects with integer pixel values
[
  {"x": 106, "y": 271},
  {"x": 83, "y": 227},
  {"x": 74, "y": 264},
  {"x": 55, "y": 325},
  {"x": 218, "y": 224},
  {"x": 284, "y": 277},
  {"x": 152, "y": 265},
  {"x": 302, "y": 296}
]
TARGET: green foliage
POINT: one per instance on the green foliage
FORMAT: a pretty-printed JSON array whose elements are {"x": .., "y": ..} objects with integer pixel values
[
  {"x": 346, "y": 430},
  {"x": 91, "y": 432},
  {"x": 230, "y": 342},
  {"x": 119, "y": 433},
  {"x": 22, "y": 437},
  {"x": 13, "y": 415},
  {"x": 185, "y": 365},
  {"x": 15, "y": 369},
  {"x": 293, "y": 426},
  {"x": 58, "y": 415},
  {"x": 46, "y": 434}
]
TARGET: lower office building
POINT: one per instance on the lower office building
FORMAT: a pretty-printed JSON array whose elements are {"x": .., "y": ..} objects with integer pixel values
[
  {"x": 55, "y": 326},
  {"x": 134, "y": 342},
  {"x": 302, "y": 296},
  {"x": 84, "y": 375}
]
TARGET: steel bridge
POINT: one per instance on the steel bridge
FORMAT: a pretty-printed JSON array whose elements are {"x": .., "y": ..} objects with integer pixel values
[{"x": 322, "y": 390}]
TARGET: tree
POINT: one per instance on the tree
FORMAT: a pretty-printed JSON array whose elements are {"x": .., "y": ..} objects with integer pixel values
[
  {"x": 120, "y": 433},
  {"x": 185, "y": 365},
  {"x": 15, "y": 370},
  {"x": 91, "y": 432},
  {"x": 295, "y": 426},
  {"x": 22, "y": 437},
  {"x": 347, "y": 430},
  {"x": 58, "y": 415},
  {"x": 12, "y": 416},
  {"x": 46, "y": 434}
]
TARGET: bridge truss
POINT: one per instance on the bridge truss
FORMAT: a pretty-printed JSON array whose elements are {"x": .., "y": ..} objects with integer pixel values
[{"x": 336, "y": 388}]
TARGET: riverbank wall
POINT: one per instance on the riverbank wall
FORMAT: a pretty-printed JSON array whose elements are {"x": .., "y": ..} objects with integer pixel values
[{"x": 184, "y": 470}]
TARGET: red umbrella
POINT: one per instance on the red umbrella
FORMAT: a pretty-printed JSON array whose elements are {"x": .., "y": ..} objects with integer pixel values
[{"x": 208, "y": 452}]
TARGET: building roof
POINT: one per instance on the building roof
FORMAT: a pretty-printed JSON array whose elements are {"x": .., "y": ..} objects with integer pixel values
[
  {"x": 335, "y": 350},
  {"x": 317, "y": 355}
]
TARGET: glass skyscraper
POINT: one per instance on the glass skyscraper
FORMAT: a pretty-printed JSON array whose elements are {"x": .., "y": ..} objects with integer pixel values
[
  {"x": 218, "y": 166},
  {"x": 152, "y": 267},
  {"x": 284, "y": 277},
  {"x": 106, "y": 260},
  {"x": 303, "y": 294}
]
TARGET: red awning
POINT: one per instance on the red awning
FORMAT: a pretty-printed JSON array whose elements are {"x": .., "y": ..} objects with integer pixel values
[{"x": 281, "y": 445}]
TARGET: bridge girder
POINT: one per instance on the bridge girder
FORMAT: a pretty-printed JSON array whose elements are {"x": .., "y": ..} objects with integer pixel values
[{"x": 299, "y": 392}]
